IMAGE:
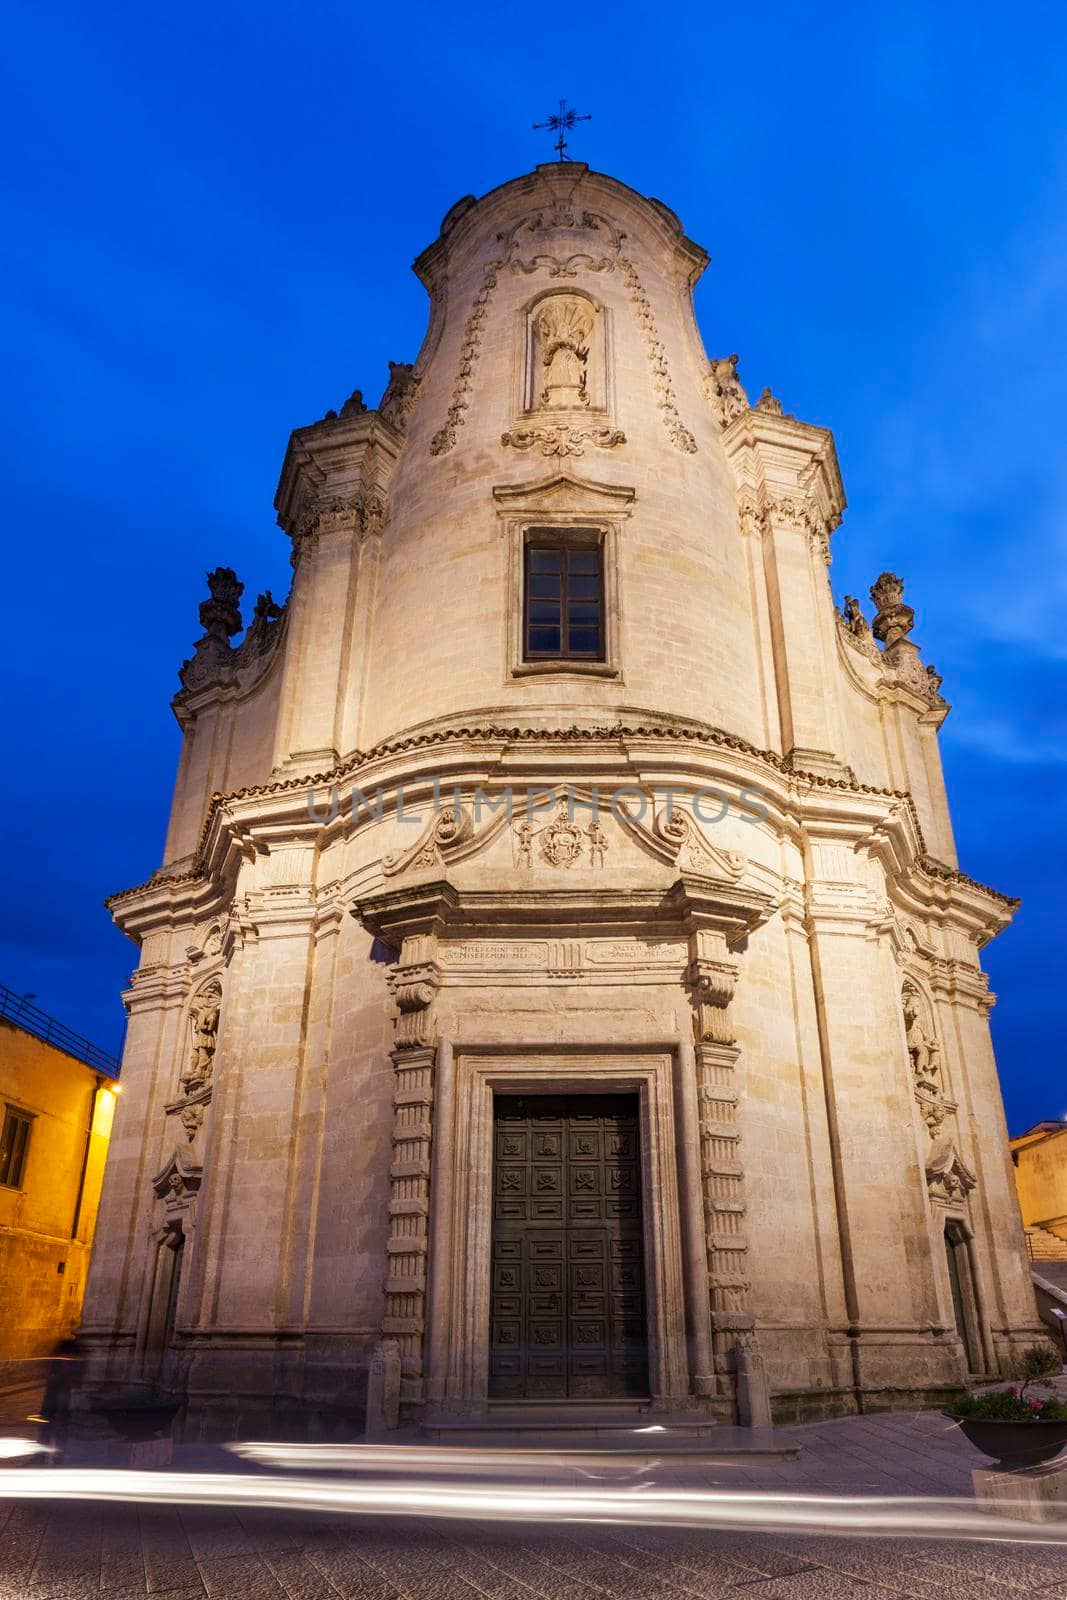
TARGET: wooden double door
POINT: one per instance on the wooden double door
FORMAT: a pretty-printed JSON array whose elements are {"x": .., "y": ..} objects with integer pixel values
[{"x": 567, "y": 1310}]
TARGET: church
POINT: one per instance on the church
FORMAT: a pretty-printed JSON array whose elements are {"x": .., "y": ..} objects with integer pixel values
[{"x": 559, "y": 989}]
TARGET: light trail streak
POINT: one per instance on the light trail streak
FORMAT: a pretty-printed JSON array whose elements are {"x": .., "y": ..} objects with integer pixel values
[{"x": 646, "y": 1505}]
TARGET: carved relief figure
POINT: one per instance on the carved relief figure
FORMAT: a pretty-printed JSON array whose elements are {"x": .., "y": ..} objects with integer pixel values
[
  {"x": 204, "y": 1025},
  {"x": 524, "y": 837},
  {"x": 598, "y": 843},
  {"x": 563, "y": 328},
  {"x": 923, "y": 1049}
]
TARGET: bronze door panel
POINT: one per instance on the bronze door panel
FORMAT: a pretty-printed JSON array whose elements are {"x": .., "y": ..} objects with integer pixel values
[{"x": 567, "y": 1316}]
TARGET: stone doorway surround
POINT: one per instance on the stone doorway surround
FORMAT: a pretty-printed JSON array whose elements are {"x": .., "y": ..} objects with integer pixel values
[{"x": 461, "y": 1217}]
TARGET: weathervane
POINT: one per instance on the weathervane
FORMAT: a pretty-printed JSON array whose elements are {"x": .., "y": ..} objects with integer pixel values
[{"x": 562, "y": 123}]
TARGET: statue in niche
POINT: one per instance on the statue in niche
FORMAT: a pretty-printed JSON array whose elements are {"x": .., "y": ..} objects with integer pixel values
[
  {"x": 204, "y": 1023},
  {"x": 923, "y": 1049},
  {"x": 563, "y": 327}
]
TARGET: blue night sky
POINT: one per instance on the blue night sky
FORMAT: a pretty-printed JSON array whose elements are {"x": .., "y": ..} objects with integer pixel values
[{"x": 211, "y": 212}]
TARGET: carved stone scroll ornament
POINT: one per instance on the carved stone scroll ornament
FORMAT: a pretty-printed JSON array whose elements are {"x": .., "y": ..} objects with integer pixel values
[
  {"x": 712, "y": 979},
  {"x": 446, "y": 831},
  {"x": 563, "y": 441}
]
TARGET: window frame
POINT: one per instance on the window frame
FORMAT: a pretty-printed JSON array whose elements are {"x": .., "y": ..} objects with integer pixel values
[
  {"x": 15, "y": 1114},
  {"x": 548, "y": 541},
  {"x": 546, "y": 527}
]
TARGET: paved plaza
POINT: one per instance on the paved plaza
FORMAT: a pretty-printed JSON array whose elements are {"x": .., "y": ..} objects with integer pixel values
[{"x": 66, "y": 1551}]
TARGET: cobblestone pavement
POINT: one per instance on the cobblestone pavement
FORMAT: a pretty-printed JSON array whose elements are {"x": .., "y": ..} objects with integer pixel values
[{"x": 70, "y": 1552}]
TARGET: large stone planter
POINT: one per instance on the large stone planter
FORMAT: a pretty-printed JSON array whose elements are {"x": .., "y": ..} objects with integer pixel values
[{"x": 1014, "y": 1445}]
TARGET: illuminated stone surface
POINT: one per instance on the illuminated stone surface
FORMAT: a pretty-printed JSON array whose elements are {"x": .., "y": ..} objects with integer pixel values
[{"x": 786, "y": 976}]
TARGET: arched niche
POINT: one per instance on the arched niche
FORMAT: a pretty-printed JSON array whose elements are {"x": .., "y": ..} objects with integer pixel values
[{"x": 565, "y": 355}]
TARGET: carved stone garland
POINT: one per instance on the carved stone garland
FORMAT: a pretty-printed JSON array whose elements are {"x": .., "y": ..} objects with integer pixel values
[
  {"x": 681, "y": 438},
  {"x": 414, "y": 983}
]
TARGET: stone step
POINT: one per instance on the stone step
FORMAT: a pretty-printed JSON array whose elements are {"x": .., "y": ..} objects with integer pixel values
[{"x": 1044, "y": 1245}]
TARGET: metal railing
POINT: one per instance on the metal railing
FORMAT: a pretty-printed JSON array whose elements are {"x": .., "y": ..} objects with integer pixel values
[{"x": 17, "y": 1009}]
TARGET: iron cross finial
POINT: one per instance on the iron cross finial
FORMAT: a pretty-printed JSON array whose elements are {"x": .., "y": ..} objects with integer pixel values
[{"x": 562, "y": 123}]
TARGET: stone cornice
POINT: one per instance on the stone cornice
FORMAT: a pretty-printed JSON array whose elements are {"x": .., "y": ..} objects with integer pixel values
[
  {"x": 886, "y": 818},
  {"x": 344, "y": 461},
  {"x": 786, "y": 470},
  {"x": 551, "y": 187},
  {"x": 422, "y": 908}
]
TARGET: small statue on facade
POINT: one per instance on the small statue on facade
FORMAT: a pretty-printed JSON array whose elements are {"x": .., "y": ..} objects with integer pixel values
[
  {"x": 923, "y": 1049},
  {"x": 855, "y": 621},
  {"x": 401, "y": 393},
  {"x": 524, "y": 838},
  {"x": 598, "y": 843},
  {"x": 767, "y": 402},
  {"x": 725, "y": 390},
  {"x": 205, "y": 1024},
  {"x": 564, "y": 326},
  {"x": 354, "y": 405},
  {"x": 261, "y": 628}
]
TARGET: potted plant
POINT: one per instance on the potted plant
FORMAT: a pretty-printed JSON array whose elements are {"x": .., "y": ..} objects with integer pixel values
[{"x": 1016, "y": 1429}]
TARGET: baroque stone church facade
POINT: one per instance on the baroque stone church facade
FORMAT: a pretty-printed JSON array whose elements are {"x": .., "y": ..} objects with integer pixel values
[{"x": 559, "y": 985}]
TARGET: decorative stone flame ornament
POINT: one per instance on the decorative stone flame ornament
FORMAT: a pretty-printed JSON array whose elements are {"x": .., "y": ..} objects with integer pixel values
[
  {"x": 220, "y": 617},
  {"x": 894, "y": 619}
]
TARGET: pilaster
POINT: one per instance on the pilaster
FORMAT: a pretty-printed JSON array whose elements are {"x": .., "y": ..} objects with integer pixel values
[{"x": 789, "y": 489}]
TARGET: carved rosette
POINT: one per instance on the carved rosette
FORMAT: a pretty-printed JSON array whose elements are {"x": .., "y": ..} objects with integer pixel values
[{"x": 414, "y": 983}]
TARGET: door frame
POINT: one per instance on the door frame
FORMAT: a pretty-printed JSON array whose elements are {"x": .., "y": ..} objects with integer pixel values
[{"x": 461, "y": 1222}]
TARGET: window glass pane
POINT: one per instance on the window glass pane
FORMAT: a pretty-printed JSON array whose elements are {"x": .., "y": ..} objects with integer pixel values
[
  {"x": 544, "y": 611},
  {"x": 580, "y": 587},
  {"x": 584, "y": 641},
  {"x": 13, "y": 1146},
  {"x": 546, "y": 583},
  {"x": 544, "y": 560},
  {"x": 544, "y": 641},
  {"x": 583, "y": 561},
  {"x": 583, "y": 611}
]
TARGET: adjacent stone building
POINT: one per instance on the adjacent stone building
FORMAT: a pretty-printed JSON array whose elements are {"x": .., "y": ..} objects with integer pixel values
[
  {"x": 672, "y": 1082},
  {"x": 57, "y": 1095}
]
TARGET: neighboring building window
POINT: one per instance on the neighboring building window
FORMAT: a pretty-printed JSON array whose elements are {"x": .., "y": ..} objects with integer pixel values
[
  {"x": 14, "y": 1147},
  {"x": 564, "y": 602}
]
